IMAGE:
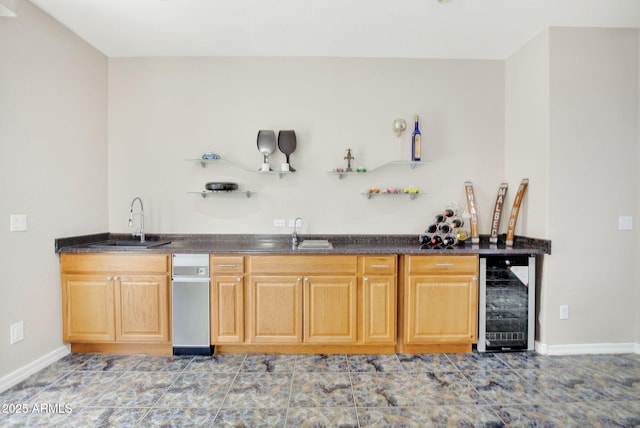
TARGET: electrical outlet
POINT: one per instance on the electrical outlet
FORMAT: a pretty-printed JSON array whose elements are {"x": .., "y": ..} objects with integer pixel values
[
  {"x": 16, "y": 332},
  {"x": 564, "y": 312},
  {"x": 279, "y": 222}
]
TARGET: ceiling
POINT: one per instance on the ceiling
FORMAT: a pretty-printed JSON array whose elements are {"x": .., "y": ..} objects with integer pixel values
[{"x": 478, "y": 29}]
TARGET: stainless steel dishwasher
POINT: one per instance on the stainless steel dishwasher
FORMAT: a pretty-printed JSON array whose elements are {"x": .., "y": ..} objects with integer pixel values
[{"x": 190, "y": 304}]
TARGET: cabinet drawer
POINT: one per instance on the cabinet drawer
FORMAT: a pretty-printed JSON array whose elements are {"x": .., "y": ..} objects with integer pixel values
[
  {"x": 443, "y": 265},
  {"x": 378, "y": 265},
  {"x": 227, "y": 264},
  {"x": 115, "y": 263},
  {"x": 298, "y": 265}
]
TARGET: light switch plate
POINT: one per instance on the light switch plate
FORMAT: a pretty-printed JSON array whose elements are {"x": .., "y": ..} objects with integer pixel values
[
  {"x": 17, "y": 222},
  {"x": 625, "y": 222},
  {"x": 16, "y": 332}
]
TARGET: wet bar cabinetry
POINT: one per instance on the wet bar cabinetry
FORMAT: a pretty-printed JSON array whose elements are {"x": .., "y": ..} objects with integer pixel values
[
  {"x": 116, "y": 302},
  {"x": 377, "y": 285},
  {"x": 278, "y": 303},
  {"x": 227, "y": 299},
  {"x": 306, "y": 303},
  {"x": 439, "y": 303}
]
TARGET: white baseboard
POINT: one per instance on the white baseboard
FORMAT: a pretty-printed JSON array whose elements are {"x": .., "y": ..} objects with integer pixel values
[
  {"x": 588, "y": 348},
  {"x": 22, "y": 373}
]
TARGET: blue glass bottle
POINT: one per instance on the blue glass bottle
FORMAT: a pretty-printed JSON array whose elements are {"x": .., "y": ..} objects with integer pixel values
[{"x": 416, "y": 140}]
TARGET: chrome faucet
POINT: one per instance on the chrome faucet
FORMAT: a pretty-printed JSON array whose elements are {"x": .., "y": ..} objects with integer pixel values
[
  {"x": 141, "y": 214},
  {"x": 294, "y": 235}
]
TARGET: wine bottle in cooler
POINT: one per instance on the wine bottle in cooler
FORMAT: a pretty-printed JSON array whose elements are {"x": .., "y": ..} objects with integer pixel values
[{"x": 416, "y": 140}]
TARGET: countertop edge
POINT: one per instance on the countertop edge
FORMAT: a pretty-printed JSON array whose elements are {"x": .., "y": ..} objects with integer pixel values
[{"x": 256, "y": 244}]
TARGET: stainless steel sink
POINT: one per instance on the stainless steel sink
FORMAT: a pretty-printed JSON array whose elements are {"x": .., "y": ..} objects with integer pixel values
[
  {"x": 129, "y": 244},
  {"x": 262, "y": 245},
  {"x": 315, "y": 244}
]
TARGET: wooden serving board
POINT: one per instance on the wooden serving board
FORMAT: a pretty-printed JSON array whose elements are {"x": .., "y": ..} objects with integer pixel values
[{"x": 513, "y": 216}]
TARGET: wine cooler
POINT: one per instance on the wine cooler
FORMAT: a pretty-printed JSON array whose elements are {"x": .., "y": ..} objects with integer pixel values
[{"x": 507, "y": 303}]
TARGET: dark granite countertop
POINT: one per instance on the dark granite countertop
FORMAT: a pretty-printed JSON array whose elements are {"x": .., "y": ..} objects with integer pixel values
[{"x": 281, "y": 244}]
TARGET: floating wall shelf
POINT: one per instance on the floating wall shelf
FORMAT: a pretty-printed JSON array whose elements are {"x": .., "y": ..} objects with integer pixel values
[
  {"x": 369, "y": 195},
  {"x": 204, "y": 162},
  {"x": 205, "y": 193},
  {"x": 411, "y": 164}
]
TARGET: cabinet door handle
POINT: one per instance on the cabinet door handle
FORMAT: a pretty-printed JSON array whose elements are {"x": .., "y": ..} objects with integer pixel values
[
  {"x": 366, "y": 279},
  {"x": 380, "y": 266},
  {"x": 224, "y": 266},
  {"x": 109, "y": 278},
  {"x": 444, "y": 264},
  {"x": 239, "y": 279},
  {"x": 115, "y": 278}
]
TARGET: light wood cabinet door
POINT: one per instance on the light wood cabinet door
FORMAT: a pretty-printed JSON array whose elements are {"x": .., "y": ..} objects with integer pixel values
[
  {"x": 379, "y": 309},
  {"x": 88, "y": 308},
  {"x": 227, "y": 309},
  {"x": 115, "y": 298},
  {"x": 275, "y": 309},
  {"x": 142, "y": 312},
  {"x": 330, "y": 309},
  {"x": 441, "y": 309}
]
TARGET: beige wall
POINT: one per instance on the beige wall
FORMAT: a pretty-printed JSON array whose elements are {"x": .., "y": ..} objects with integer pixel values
[
  {"x": 163, "y": 110},
  {"x": 593, "y": 162},
  {"x": 527, "y": 143},
  {"x": 637, "y": 217},
  {"x": 53, "y": 147},
  {"x": 572, "y": 115},
  {"x": 527, "y": 131},
  {"x": 55, "y": 166}
]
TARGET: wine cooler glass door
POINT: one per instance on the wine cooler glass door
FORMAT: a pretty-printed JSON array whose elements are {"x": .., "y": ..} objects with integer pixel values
[{"x": 507, "y": 300}]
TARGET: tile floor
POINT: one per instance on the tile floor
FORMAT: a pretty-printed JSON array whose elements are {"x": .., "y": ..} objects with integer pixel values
[{"x": 438, "y": 390}]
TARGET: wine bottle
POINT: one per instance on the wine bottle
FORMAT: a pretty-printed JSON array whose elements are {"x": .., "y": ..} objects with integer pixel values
[
  {"x": 457, "y": 222},
  {"x": 444, "y": 228},
  {"x": 416, "y": 138},
  {"x": 448, "y": 240}
]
